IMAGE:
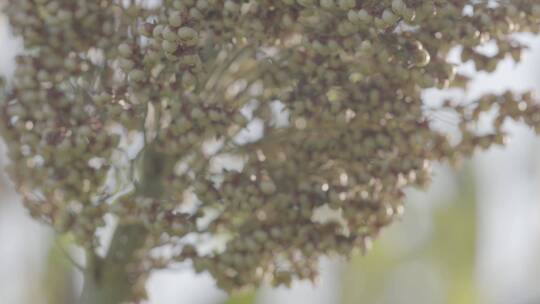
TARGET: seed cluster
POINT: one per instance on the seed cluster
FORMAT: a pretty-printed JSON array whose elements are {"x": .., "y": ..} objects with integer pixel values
[{"x": 100, "y": 79}]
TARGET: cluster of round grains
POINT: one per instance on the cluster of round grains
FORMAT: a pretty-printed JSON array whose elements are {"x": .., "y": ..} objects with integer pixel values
[{"x": 132, "y": 110}]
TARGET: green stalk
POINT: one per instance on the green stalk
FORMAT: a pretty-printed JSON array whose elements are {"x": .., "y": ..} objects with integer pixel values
[{"x": 108, "y": 280}]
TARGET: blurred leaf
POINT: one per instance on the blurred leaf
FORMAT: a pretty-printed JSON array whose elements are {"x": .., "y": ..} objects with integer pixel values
[
  {"x": 58, "y": 276},
  {"x": 243, "y": 298},
  {"x": 455, "y": 244}
]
